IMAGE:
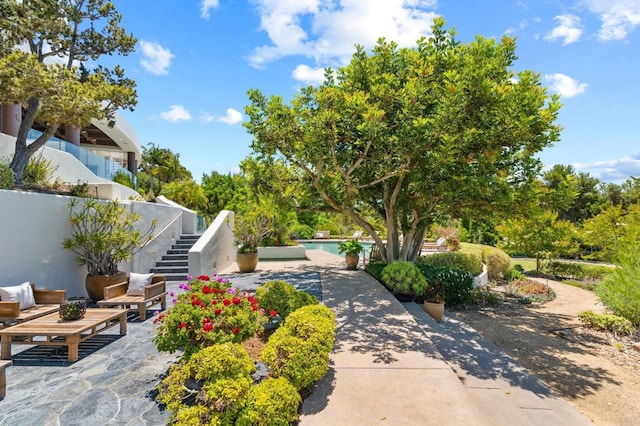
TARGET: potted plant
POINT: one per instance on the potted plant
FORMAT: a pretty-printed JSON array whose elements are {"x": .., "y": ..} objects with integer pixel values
[
  {"x": 434, "y": 299},
  {"x": 250, "y": 230},
  {"x": 103, "y": 234},
  {"x": 404, "y": 280},
  {"x": 351, "y": 249}
]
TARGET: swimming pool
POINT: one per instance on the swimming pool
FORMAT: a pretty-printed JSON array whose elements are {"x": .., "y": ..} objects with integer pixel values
[{"x": 332, "y": 246}]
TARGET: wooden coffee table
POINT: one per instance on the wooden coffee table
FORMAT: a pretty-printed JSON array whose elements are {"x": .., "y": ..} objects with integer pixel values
[{"x": 43, "y": 331}]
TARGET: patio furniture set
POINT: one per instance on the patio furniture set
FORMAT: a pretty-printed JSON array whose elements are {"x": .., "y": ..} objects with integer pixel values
[{"x": 29, "y": 316}]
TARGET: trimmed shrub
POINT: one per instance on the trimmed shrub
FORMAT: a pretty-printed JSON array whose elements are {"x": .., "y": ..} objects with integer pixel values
[
  {"x": 299, "y": 349},
  {"x": 272, "y": 402},
  {"x": 375, "y": 269},
  {"x": 498, "y": 262},
  {"x": 455, "y": 260},
  {"x": 282, "y": 297},
  {"x": 458, "y": 285},
  {"x": 606, "y": 322},
  {"x": 576, "y": 271},
  {"x": 514, "y": 274},
  {"x": 403, "y": 277},
  {"x": 218, "y": 375},
  {"x": 6, "y": 176},
  {"x": 313, "y": 323}
]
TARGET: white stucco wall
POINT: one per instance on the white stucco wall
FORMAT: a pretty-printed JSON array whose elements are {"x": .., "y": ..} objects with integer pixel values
[
  {"x": 215, "y": 249},
  {"x": 189, "y": 217},
  {"x": 33, "y": 225}
]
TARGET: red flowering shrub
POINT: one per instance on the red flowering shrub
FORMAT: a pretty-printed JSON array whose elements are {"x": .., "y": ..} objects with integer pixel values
[{"x": 210, "y": 311}]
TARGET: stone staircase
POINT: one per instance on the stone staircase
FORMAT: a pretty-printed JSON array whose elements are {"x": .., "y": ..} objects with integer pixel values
[{"x": 175, "y": 263}]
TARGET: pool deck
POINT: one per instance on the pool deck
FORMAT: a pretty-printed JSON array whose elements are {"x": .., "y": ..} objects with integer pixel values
[{"x": 391, "y": 364}]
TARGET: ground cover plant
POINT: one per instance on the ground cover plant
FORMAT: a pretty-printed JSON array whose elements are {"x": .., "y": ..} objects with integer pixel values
[
  {"x": 216, "y": 380},
  {"x": 528, "y": 291}
]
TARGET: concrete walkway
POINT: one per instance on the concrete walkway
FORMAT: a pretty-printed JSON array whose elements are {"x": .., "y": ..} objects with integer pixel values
[{"x": 391, "y": 364}]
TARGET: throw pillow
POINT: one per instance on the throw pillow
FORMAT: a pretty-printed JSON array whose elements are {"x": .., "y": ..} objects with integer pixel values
[
  {"x": 137, "y": 283},
  {"x": 22, "y": 293}
]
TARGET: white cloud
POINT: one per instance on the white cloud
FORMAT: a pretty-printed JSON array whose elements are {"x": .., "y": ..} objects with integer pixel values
[
  {"x": 232, "y": 118},
  {"x": 613, "y": 170},
  {"x": 306, "y": 74},
  {"x": 156, "y": 58},
  {"x": 176, "y": 113},
  {"x": 327, "y": 30},
  {"x": 521, "y": 26},
  {"x": 619, "y": 17},
  {"x": 569, "y": 29},
  {"x": 206, "y": 6},
  {"x": 564, "y": 85}
]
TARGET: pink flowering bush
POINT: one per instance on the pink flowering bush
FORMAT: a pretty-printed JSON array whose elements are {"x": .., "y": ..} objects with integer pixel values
[{"x": 209, "y": 311}]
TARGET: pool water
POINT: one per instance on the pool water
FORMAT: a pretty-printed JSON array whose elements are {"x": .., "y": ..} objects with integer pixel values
[{"x": 332, "y": 246}]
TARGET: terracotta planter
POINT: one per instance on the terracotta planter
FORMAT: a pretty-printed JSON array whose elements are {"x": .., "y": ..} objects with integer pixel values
[
  {"x": 435, "y": 310},
  {"x": 95, "y": 284},
  {"x": 247, "y": 262},
  {"x": 352, "y": 260}
]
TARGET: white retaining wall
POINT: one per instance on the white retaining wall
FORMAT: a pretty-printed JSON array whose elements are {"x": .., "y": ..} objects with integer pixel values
[
  {"x": 189, "y": 217},
  {"x": 215, "y": 249},
  {"x": 33, "y": 225}
]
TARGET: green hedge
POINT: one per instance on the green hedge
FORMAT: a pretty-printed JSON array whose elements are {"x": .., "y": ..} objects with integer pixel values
[
  {"x": 283, "y": 298},
  {"x": 454, "y": 260},
  {"x": 375, "y": 269},
  {"x": 498, "y": 262},
  {"x": 575, "y": 270},
  {"x": 458, "y": 285}
]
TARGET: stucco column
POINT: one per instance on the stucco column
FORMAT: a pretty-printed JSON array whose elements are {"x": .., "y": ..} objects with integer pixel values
[
  {"x": 10, "y": 118},
  {"x": 72, "y": 134}
]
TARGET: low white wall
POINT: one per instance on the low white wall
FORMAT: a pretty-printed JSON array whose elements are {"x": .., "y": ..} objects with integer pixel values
[
  {"x": 482, "y": 279},
  {"x": 33, "y": 225},
  {"x": 189, "y": 217},
  {"x": 215, "y": 249},
  {"x": 282, "y": 252}
]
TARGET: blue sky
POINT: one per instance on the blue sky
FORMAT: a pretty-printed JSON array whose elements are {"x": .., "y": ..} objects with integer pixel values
[{"x": 196, "y": 59}]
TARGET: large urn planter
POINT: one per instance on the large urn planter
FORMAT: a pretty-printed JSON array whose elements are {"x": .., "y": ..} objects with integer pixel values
[
  {"x": 95, "y": 284},
  {"x": 247, "y": 262},
  {"x": 435, "y": 310},
  {"x": 352, "y": 259}
]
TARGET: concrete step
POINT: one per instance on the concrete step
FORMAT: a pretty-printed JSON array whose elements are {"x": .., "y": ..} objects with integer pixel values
[
  {"x": 170, "y": 270},
  {"x": 178, "y": 251},
  {"x": 162, "y": 263},
  {"x": 190, "y": 237},
  {"x": 179, "y": 245},
  {"x": 176, "y": 277},
  {"x": 175, "y": 257}
]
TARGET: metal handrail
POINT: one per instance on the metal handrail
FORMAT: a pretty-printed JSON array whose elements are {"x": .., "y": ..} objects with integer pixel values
[{"x": 153, "y": 237}]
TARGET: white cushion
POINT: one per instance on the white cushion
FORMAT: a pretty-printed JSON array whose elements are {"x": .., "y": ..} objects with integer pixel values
[
  {"x": 22, "y": 293},
  {"x": 137, "y": 283}
]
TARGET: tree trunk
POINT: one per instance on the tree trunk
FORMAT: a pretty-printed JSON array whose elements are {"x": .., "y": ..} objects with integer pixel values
[{"x": 24, "y": 152}]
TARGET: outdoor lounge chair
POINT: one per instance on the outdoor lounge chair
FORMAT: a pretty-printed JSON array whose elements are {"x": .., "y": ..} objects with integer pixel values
[
  {"x": 321, "y": 235},
  {"x": 438, "y": 246},
  {"x": 356, "y": 235},
  {"x": 145, "y": 291},
  {"x": 34, "y": 302}
]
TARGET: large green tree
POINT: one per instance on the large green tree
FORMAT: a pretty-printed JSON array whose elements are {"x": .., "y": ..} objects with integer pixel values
[
  {"x": 43, "y": 44},
  {"x": 413, "y": 134}
]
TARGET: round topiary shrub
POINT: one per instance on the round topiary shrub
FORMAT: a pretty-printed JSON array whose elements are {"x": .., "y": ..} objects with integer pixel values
[
  {"x": 218, "y": 378},
  {"x": 498, "y": 262},
  {"x": 299, "y": 349},
  {"x": 404, "y": 278},
  {"x": 283, "y": 298},
  {"x": 273, "y": 401},
  {"x": 313, "y": 323}
]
